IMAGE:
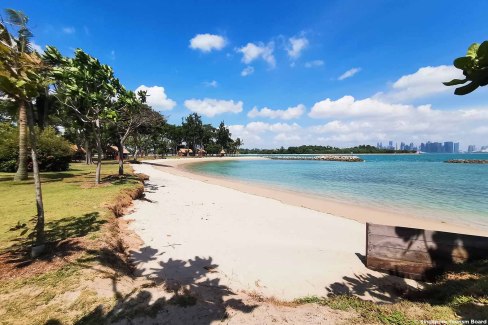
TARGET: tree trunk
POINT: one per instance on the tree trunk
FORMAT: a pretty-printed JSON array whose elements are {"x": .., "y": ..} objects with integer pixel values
[
  {"x": 120, "y": 147},
  {"x": 40, "y": 235},
  {"x": 21, "y": 174},
  {"x": 88, "y": 156},
  {"x": 98, "y": 140}
]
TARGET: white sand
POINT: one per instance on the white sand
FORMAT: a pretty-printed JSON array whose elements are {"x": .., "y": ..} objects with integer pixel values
[{"x": 259, "y": 244}]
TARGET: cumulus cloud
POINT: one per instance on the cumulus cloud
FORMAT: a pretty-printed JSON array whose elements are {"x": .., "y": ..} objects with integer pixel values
[
  {"x": 296, "y": 46},
  {"x": 207, "y": 42},
  {"x": 262, "y": 134},
  {"x": 349, "y": 121},
  {"x": 249, "y": 70},
  {"x": 349, "y": 73},
  {"x": 425, "y": 82},
  {"x": 211, "y": 107},
  {"x": 284, "y": 114},
  {"x": 252, "y": 52},
  {"x": 349, "y": 107},
  {"x": 157, "y": 98},
  {"x": 369, "y": 120},
  {"x": 314, "y": 63}
]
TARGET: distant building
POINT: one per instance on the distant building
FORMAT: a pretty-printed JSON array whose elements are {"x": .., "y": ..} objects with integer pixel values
[
  {"x": 449, "y": 147},
  {"x": 456, "y": 147},
  {"x": 471, "y": 148}
]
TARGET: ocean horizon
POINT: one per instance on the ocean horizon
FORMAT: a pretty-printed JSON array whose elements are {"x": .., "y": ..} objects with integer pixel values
[{"x": 422, "y": 185}]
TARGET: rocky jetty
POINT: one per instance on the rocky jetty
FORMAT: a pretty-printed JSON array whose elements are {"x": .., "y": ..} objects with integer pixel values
[
  {"x": 346, "y": 158},
  {"x": 467, "y": 161}
]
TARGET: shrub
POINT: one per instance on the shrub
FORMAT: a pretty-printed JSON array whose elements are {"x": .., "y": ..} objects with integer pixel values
[{"x": 54, "y": 152}]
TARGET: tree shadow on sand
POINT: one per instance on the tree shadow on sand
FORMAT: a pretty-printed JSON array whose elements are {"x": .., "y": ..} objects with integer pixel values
[{"x": 181, "y": 292}]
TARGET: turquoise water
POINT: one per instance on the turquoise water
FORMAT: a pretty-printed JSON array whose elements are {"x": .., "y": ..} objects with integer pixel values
[{"x": 422, "y": 185}]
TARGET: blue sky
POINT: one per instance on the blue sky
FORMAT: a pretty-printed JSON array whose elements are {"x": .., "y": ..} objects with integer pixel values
[{"x": 287, "y": 57}]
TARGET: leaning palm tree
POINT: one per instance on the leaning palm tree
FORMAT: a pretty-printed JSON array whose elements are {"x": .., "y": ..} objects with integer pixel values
[
  {"x": 21, "y": 78},
  {"x": 13, "y": 69}
]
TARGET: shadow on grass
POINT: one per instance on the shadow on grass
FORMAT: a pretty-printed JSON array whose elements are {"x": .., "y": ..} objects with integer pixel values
[
  {"x": 56, "y": 231},
  {"x": 463, "y": 287}
]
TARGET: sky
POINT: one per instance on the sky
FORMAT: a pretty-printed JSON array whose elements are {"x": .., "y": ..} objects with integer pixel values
[{"x": 284, "y": 73}]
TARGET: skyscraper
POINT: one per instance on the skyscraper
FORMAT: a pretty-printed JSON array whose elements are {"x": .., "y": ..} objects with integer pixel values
[
  {"x": 456, "y": 147},
  {"x": 449, "y": 147}
]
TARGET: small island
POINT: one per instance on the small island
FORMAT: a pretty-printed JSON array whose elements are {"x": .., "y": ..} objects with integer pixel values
[{"x": 467, "y": 161}]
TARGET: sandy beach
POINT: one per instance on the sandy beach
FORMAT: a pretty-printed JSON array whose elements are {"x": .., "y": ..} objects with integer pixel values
[
  {"x": 254, "y": 239},
  {"x": 362, "y": 214}
]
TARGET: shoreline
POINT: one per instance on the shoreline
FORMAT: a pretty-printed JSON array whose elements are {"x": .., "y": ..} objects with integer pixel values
[{"x": 340, "y": 209}]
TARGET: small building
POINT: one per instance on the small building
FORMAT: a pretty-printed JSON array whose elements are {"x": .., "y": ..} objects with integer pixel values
[
  {"x": 184, "y": 152},
  {"x": 113, "y": 153},
  {"x": 222, "y": 153},
  {"x": 201, "y": 153},
  {"x": 79, "y": 153}
]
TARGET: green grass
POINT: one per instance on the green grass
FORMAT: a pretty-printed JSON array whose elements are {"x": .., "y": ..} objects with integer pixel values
[
  {"x": 74, "y": 207},
  {"x": 69, "y": 197},
  {"x": 460, "y": 294}
]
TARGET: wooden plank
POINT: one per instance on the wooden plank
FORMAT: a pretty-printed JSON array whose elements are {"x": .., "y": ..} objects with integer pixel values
[
  {"x": 438, "y": 237},
  {"x": 399, "y": 254},
  {"x": 443, "y": 255},
  {"x": 455, "y": 252},
  {"x": 417, "y": 253},
  {"x": 411, "y": 270}
]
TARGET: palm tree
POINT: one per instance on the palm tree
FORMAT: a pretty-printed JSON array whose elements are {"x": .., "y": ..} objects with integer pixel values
[
  {"x": 21, "y": 78},
  {"x": 15, "y": 65}
]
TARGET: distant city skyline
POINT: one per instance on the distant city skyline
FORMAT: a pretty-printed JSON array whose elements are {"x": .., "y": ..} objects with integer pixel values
[{"x": 433, "y": 147}]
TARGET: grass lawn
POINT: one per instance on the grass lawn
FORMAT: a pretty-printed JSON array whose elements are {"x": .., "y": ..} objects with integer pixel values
[
  {"x": 84, "y": 237},
  {"x": 68, "y": 196}
]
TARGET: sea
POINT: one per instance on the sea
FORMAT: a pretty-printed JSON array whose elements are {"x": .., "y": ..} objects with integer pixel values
[{"x": 421, "y": 185}]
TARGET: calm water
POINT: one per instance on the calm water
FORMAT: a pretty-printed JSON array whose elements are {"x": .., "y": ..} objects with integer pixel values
[{"x": 422, "y": 185}]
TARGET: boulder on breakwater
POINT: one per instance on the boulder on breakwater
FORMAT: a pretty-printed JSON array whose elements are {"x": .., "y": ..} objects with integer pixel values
[
  {"x": 467, "y": 161},
  {"x": 345, "y": 158}
]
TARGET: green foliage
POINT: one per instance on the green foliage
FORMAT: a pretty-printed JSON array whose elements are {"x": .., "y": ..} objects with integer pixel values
[
  {"x": 9, "y": 147},
  {"x": 54, "y": 152},
  {"x": 475, "y": 69},
  {"x": 317, "y": 150}
]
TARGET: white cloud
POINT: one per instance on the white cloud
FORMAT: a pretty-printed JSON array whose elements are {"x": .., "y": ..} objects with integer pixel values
[
  {"x": 157, "y": 98},
  {"x": 260, "y": 127},
  {"x": 112, "y": 55},
  {"x": 37, "y": 47},
  {"x": 349, "y": 73},
  {"x": 68, "y": 30},
  {"x": 252, "y": 52},
  {"x": 368, "y": 120},
  {"x": 249, "y": 70},
  {"x": 296, "y": 46},
  {"x": 212, "y": 84},
  {"x": 207, "y": 42},
  {"x": 285, "y": 114},
  {"x": 267, "y": 135},
  {"x": 211, "y": 107},
  {"x": 425, "y": 82},
  {"x": 348, "y": 107},
  {"x": 314, "y": 63}
]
